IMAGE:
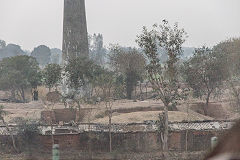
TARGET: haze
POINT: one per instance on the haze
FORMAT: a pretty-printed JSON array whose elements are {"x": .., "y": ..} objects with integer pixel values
[{"x": 30, "y": 23}]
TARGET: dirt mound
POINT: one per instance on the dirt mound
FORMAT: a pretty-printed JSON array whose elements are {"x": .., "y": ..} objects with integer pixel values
[
  {"x": 214, "y": 110},
  {"x": 139, "y": 117},
  {"x": 30, "y": 110},
  {"x": 137, "y": 109}
]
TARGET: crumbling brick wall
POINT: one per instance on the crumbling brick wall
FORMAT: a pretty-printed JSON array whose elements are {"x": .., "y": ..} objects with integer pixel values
[
  {"x": 124, "y": 141},
  {"x": 132, "y": 141}
]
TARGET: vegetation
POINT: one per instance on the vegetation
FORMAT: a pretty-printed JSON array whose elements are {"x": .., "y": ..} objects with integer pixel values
[
  {"x": 42, "y": 54},
  {"x": 18, "y": 74},
  {"x": 205, "y": 72},
  {"x": 2, "y": 115},
  {"x": 130, "y": 63},
  {"x": 52, "y": 75},
  {"x": 106, "y": 83},
  {"x": 79, "y": 73},
  {"x": 163, "y": 77}
]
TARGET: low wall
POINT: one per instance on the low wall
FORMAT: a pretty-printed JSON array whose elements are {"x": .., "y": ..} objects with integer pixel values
[
  {"x": 137, "y": 138},
  {"x": 131, "y": 141}
]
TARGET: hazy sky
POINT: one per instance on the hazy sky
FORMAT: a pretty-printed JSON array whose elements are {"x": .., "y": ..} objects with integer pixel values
[{"x": 30, "y": 23}]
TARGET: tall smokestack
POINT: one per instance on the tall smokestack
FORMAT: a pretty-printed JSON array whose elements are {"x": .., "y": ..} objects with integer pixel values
[{"x": 75, "y": 36}]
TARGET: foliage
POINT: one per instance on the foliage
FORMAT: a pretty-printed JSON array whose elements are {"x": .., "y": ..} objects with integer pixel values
[
  {"x": 163, "y": 77},
  {"x": 27, "y": 130},
  {"x": 42, "y": 54},
  {"x": 129, "y": 63},
  {"x": 205, "y": 72},
  {"x": 11, "y": 50},
  {"x": 78, "y": 72},
  {"x": 105, "y": 82},
  {"x": 230, "y": 51},
  {"x": 19, "y": 73},
  {"x": 119, "y": 87},
  {"x": 96, "y": 49},
  {"x": 52, "y": 75},
  {"x": 2, "y": 44},
  {"x": 56, "y": 56},
  {"x": 2, "y": 113}
]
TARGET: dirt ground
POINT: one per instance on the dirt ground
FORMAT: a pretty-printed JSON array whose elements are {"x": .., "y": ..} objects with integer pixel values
[
  {"x": 33, "y": 110},
  {"x": 126, "y": 111},
  {"x": 71, "y": 155}
]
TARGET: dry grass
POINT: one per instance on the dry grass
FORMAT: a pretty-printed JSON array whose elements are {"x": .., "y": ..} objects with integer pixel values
[
  {"x": 33, "y": 110},
  {"x": 139, "y": 117},
  {"x": 12, "y": 157}
]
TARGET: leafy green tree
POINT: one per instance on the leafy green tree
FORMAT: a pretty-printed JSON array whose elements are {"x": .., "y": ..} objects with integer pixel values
[
  {"x": 78, "y": 73},
  {"x": 129, "y": 63},
  {"x": 42, "y": 53},
  {"x": 230, "y": 50},
  {"x": 163, "y": 77},
  {"x": 19, "y": 73},
  {"x": 105, "y": 81},
  {"x": 205, "y": 72},
  {"x": 52, "y": 75},
  {"x": 2, "y": 44}
]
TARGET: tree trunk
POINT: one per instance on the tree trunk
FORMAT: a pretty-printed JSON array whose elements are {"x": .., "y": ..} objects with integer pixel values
[
  {"x": 52, "y": 132},
  {"x": 129, "y": 88},
  {"x": 129, "y": 85},
  {"x": 207, "y": 103},
  {"x": 235, "y": 94},
  {"x": 146, "y": 89},
  {"x": 141, "y": 92},
  {"x": 135, "y": 97},
  {"x": 110, "y": 134},
  {"x": 13, "y": 95},
  {"x": 165, "y": 136},
  {"x": 79, "y": 109},
  {"x": 23, "y": 95},
  {"x": 12, "y": 137}
]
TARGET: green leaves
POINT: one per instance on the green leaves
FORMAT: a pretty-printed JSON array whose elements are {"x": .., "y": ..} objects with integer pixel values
[
  {"x": 205, "y": 71},
  {"x": 130, "y": 63},
  {"x": 52, "y": 75},
  {"x": 78, "y": 72},
  {"x": 163, "y": 77},
  {"x": 18, "y": 73}
]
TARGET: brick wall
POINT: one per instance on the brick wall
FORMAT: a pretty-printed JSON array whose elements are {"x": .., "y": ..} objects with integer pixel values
[
  {"x": 131, "y": 141},
  {"x": 126, "y": 142}
]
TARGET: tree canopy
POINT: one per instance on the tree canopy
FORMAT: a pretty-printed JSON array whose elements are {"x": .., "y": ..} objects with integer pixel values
[
  {"x": 130, "y": 63},
  {"x": 19, "y": 73},
  {"x": 205, "y": 72},
  {"x": 52, "y": 75},
  {"x": 42, "y": 54}
]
